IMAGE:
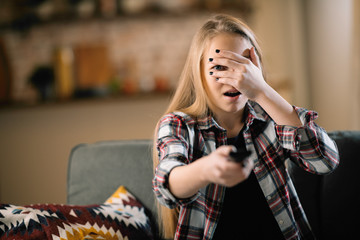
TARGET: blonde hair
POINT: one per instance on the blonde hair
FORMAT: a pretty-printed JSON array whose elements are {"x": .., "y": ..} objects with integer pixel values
[{"x": 190, "y": 96}]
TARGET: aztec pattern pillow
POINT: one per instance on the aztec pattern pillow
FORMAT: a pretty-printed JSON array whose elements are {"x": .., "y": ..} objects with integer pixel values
[{"x": 122, "y": 216}]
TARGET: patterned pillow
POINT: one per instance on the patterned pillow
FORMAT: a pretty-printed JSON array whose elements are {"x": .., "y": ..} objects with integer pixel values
[{"x": 122, "y": 216}]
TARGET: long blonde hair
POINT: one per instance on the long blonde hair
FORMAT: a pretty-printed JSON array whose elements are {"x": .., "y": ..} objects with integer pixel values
[{"x": 190, "y": 96}]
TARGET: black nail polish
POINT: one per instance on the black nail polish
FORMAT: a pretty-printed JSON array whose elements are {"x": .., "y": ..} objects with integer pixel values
[
  {"x": 211, "y": 73},
  {"x": 211, "y": 59},
  {"x": 217, "y": 50}
]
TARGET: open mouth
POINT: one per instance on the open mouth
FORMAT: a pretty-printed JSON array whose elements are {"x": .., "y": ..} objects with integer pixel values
[{"x": 232, "y": 94}]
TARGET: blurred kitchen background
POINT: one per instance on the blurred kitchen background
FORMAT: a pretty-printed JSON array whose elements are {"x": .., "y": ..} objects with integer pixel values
[{"x": 81, "y": 71}]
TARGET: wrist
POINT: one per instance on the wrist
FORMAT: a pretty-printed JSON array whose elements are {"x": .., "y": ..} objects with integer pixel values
[
  {"x": 278, "y": 108},
  {"x": 185, "y": 181},
  {"x": 203, "y": 176},
  {"x": 263, "y": 95}
]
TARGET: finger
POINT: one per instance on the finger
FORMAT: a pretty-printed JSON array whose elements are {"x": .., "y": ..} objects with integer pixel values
[
  {"x": 254, "y": 57},
  {"x": 227, "y": 77},
  {"x": 222, "y": 74},
  {"x": 222, "y": 64},
  {"x": 225, "y": 150},
  {"x": 232, "y": 55},
  {"x": 227, "y": 81},
  {"x": 248, "y": 164}
]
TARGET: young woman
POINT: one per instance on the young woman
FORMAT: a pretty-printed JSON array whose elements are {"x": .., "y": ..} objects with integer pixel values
[{"x": 223, "y": 104}]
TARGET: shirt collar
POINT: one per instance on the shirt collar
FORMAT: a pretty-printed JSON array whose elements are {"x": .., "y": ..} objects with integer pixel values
[{"x": 253, "y": 110}]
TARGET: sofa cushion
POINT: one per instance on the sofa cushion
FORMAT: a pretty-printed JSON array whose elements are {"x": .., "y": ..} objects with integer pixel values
[
  {"x": 96, "y": 170},
  {"x": 121, "y": 217}
]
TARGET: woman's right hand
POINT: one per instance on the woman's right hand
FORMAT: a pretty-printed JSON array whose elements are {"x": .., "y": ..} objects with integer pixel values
[
  {"x": 219, "y": 169},
  {"x": 185, "y": 181}
]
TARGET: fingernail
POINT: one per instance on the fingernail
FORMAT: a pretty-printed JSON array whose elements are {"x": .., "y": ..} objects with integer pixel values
[
  {"x": 233, "y": 149},
  {"x": 211, "y": 59},
  {"x": 217, "y": 50},
  {"x": 211, "y": 73}
]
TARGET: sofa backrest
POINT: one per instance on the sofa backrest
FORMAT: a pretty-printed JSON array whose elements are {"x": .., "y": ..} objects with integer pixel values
[
  {"x": 96, "y": 170},
  {"x": 331, "y": 202}
]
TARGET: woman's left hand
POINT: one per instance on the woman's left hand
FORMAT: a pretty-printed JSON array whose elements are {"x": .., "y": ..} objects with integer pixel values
[{"x": 244, "y": 74}]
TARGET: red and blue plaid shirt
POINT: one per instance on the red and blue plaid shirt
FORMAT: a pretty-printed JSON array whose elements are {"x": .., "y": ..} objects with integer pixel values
[{"x": 183, "y": 139}]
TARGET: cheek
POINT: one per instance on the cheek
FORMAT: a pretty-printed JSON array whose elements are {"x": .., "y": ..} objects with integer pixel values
[{"x": 210, "y": 85}]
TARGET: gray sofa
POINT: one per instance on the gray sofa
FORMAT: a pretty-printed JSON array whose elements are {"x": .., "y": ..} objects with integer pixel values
[{"x": 332, "y": 202}]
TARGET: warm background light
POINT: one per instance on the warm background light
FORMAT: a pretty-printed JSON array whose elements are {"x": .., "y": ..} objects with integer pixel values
[{"x": 122, "y": 65}]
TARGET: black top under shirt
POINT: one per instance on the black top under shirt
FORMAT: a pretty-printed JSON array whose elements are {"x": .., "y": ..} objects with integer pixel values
[{"x": 246, "y": 213}]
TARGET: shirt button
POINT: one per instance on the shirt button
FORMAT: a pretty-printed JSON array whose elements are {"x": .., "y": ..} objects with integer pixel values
[
  {"x": 281, "y": 222},
  {"x": 248, "y": 140},
  {"x": 298, "y": 139},
  {"x": 268, "y": 197}
]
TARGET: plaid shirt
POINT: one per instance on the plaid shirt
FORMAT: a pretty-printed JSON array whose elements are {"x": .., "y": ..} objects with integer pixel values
[{"x": 182, "y": 140}]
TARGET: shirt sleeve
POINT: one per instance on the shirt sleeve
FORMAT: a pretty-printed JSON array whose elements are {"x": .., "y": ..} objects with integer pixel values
[
  {"x": 310, "y": 146},
  {"x": 173, "y": 151}
]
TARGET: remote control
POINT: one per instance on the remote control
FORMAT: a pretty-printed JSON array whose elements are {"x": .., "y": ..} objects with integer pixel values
[{"x": 240, "y": 155}]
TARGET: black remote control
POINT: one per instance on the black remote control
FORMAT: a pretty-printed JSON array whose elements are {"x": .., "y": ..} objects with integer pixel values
[{"x": 240, "y": 155}]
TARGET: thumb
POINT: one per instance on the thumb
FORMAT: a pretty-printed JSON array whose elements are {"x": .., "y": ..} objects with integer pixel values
[
  {"x": 254, "y": 57},
  {"x": 225, "y": 150}
]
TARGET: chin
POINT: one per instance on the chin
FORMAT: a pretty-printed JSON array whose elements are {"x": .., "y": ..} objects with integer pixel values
[{"x": 234, "y": 110}]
